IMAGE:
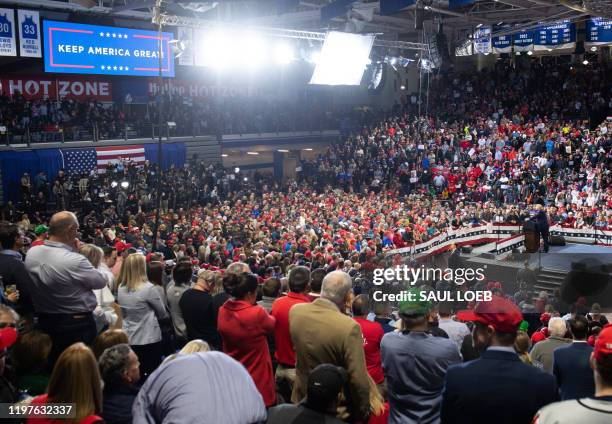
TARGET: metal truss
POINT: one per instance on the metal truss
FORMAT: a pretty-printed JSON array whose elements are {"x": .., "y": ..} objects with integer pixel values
[{"x": 173, "y": 20}]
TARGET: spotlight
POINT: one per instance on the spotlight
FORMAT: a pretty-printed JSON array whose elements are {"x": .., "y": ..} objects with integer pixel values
[
  {"x": 245, "y": 179},
  {"x": 308, "y": 149},
  {"x": 253, "y": 50},
  {"x": 215, "y": 50},
  {"x": 529, "y": 53},
  {"x": 252, "y": 153},
  {"x": 114, "y": 184},
  {"x": 283, "y": 54},
  {"x": 125, "y": 184},
  {"x": 585, "y": 62},
  {"x": 550, "y": 50},
  {"x": 594, "y": 48},
  {"x": 236, "y": 170},
  {"x": 403, "y": 87},
  {"x": 283, "y": 150},
  {"x": 478, "y": 26},
  {"x": 518, "y": 53},
  {"x": 224, "y": 155}
]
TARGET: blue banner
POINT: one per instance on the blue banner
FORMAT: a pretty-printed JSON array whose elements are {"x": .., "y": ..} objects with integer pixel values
[
  {"x": 599, "y": 31},
  {"x": 482, "y": 40},
  {"x": 502, "y": 44},
  {"x": 558, "y": 35},
  {"x": 523, "y": 40},
  {"x": 93, "y": 49}
]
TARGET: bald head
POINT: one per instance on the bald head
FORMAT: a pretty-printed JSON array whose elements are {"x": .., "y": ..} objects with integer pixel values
[
  {"x": 63, "y": 227},
  {"x": 336, "y": 287},
  {"x": 237, "y": 268}
]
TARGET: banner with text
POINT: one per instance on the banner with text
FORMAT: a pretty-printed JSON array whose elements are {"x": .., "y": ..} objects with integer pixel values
[
  {"x": 482, "y": 40},
  {"x": 93, "y": 49},
  {"x": 29, "y": 33},
  {"x": 523, "y": 41},
  {"x": 194, "y": 89},
  {"x": 560, "y": 35},
  {"x": 502, "y": 44},
  {"x": 8, "y": 45},
  {"x": 598, "y": 32},
  {"x": 35, "y": 88}
]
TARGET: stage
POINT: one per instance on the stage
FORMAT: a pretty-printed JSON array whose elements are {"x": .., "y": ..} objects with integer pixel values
[{"x": 561, "y": 257}]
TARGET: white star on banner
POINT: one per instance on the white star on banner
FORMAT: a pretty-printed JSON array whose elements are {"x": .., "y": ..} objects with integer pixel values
[
  {"x": 108, "y": 34},
  {"x": 126, "y": 68},
  {"x": 121, "y": 68},
  {"x": 101, "y": 34},
  {"x": 114, "y": 68},
  {"x": 102, "y": 67},
  {"x": 114, "y": 35}
]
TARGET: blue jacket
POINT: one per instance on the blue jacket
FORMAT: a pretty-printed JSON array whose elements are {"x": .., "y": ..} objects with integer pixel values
[
  {"x": 496, "y": 388},
  {"x": 542, "y": 221},
  {"x": 573, "y": 372},
  {"x": 117, "y": 405}
]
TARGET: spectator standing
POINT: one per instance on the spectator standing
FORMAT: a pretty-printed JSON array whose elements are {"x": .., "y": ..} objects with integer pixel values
[
  {"x": 325, "y": 384},
  {"x": 198, "y": 310},
  {"x": 498, "y": 387},
  {"x": 299, "y": 286},
  {"x": 415, "y": 363},
  {"x": 457, "y": 331},
  {"x": 142, "y": 308},
  {"x": 120, "y": 371},
  {"x": 42, "y": 233},
  {"x": 322, "y": 334},
  {"x": 593, "y": 410},
  {"x": 8, "y": 335},
  {"x": 75, "y": 380},
  {"x": 596, "y": 318},
  {"x": 244, "y": 326},
  {"x": 194, "y": 388},
  {"x": 542, "y": 352},
  {"x": 14, "y": 279},
  {"x": 108, "y": 262},
  {"x": 571, "y": 363},
  {"x": 180, "y": 283},
  {"x": 372, "y": 336},
  {"x": 63, "y": 283},
  {"x": 270, "y": 291}
]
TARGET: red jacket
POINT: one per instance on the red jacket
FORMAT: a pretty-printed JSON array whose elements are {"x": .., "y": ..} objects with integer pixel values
[
  {"x": 42, "y": 400},
  {"x": 244, "y": 328},
  {"x": 285, "y": 354},
  {"x": 372, "y": 336}
]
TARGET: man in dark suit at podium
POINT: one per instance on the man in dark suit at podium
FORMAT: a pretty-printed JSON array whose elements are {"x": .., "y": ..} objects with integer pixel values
[{"x": 541, "y": 219}]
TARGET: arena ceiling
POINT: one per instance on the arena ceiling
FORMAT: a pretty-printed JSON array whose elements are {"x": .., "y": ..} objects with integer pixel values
[{"x": 361, "y": 16}]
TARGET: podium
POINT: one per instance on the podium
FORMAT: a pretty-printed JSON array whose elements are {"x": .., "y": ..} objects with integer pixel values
[{"x": 532, "y": 237}]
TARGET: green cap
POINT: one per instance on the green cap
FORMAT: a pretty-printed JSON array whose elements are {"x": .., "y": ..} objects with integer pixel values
[
  {"x": 524, "y": 326},
  {"x": 412, "y": 303},
  {"x": 41, "y": 229}
]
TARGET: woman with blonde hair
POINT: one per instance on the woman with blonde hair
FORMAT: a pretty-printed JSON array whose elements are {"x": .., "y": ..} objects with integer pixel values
[
  {"x": 107, "y": 313},
  {"x": 142, "y": 308},
  {"x": 379, "y": 408},
  {"x": 194, "y": 346},
  {"x": 522, "y": 344},
  {"x": 75, "y": 380}
]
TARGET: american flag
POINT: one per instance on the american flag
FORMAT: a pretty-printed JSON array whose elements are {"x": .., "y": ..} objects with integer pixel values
[
  {"x": 112, "y": 154},
  {"x": 83, "y": 161},
  {"x": 79, "y": 161}
]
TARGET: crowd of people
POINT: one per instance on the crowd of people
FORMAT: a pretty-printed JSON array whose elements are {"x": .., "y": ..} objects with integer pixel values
[{"x": 252, "y": 301}]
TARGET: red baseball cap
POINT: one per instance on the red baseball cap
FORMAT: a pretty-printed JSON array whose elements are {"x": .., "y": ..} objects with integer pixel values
[
  {"x": 603, "y": 345},
  {"x": 121, "y": 246},
  {"x": 501, "y": 314},
  {"x": 8, "y": 336}
]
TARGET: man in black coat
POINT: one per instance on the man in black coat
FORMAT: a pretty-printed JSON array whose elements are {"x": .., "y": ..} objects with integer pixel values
[
  {"x": 541, "y": 220},
  {"x": 15, "y": 284},
  {"x": 119, "y": 369},
  {"x": 498, "y": 387},
  {"x": 571, "y": 364}
]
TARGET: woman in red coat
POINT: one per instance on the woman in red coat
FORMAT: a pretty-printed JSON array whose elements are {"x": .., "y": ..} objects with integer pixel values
[{"x": 244, "y": 327}]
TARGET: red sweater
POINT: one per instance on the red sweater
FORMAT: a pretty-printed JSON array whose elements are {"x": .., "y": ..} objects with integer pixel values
[
  {"x": 244, "y": 328},
  {"x": 285, "y": 354},
  {"x": 372, "y": 336}
]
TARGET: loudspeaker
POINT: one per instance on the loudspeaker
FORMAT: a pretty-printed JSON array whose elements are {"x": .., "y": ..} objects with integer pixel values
[{"x": 556, "y": 240}]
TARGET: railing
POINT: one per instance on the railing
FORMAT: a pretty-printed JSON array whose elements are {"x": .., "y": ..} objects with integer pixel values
[{"x": 97, "y": 132}]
